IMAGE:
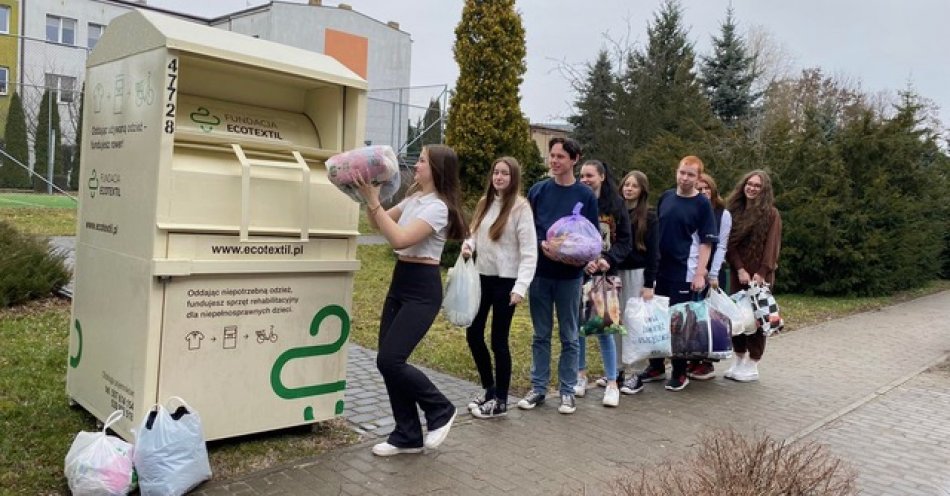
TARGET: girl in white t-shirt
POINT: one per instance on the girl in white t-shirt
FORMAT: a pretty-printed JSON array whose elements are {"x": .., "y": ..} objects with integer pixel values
[
  {"x": 417, "y": 229},
  {"x": 504, "y": 240}
]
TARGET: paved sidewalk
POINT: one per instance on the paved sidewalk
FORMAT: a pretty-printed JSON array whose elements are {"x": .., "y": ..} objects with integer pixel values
[{"x": 864, "y": 385}]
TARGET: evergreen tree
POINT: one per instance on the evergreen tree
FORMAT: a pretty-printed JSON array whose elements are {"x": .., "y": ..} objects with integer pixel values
[
  {"x": 595, "y": 123},
  {"x": 48, "y": 118},
  {"x": 485, "y": 119},
  {"x": 432, "y": 124},
  {"x": 12, "y": 175},
  {"x": 77, "y": 150},
  {"x": 727, "y": 77},
  {"x": 660, "y": 92}
]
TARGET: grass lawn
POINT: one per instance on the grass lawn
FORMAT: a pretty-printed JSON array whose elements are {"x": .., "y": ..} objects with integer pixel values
[
  {"x": 49, "y": 215},
  {"x": 37, "y": 425}
]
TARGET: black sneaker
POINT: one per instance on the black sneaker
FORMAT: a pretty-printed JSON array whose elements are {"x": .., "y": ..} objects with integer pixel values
[
  {"x": 478, "y": 401},
  {"x": 677, "y": 383},
  {"x": 651, "y": 374},
  {"x": 632, "y": 385},
  {"x": 531, "y": 400},
  {"x": 491, "y": 409}
]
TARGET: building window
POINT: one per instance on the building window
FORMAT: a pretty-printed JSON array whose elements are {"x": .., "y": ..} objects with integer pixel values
[
  {"x": 64, "y": 87},
  {"x": 4, "y": 78},
  {"x": 4, "y": 19},
  {"x": 95, "y": 32},
  {"x": 61, "y": 30}
]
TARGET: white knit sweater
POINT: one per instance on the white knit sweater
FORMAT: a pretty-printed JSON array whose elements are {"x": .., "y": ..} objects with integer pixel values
[{"x": 515, "y": 254}]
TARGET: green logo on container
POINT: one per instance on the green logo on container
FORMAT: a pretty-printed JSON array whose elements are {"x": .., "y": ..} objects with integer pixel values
[
  {"x": 74, "y": 360},
  {"x": 312, "y": 351},
  {"x": 205, "y": 121}
]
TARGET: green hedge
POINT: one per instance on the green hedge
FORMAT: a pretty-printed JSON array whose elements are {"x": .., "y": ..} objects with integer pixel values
[{"x": 28, "y": 270}]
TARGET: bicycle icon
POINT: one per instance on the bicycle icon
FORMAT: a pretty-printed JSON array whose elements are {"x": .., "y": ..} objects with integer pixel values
[{"x": 266, "y": 335}]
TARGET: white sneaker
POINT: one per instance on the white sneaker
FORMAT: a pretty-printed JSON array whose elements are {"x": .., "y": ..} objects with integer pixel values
[
  {"x": 737, "y": 365},
  {"x": 435, "y": 438},
  {"x": 748, "y": 372},
  {"x": 567, "y": 404},
  {"x": 611, "y": 396},
  {"x": 580, "y": 389},
  {"x": 386, "y": 449}
]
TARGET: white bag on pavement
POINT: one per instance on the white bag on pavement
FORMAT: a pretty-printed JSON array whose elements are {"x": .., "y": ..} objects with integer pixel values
[
  {"x": 100, "y": 464},
  {"x": 170, "y": 452},
  {"x": 463, "y": 293},
  {"x": 648, "y": 329}
]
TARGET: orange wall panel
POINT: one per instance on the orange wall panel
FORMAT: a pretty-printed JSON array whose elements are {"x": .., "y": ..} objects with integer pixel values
[{"x": 351, "y": 50}]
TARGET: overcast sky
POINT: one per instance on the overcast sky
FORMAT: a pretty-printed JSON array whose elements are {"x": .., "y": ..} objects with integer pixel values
[{"x": 881, "y": 45}]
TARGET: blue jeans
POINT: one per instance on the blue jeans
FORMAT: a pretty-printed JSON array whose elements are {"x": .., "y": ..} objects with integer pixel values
[
  {"x": 544, "y": 297},
  {"x": 608, "y": 351}
]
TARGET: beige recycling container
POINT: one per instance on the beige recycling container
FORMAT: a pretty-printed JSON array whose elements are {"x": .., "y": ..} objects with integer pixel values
[{"x": 214, "y": 259}]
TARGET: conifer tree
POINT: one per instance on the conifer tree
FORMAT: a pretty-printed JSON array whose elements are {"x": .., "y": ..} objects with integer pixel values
[
  {"x": 48, "y": 118},
  {"x": 485, "y": 119},
  {"x": 595, "y": 123},
  {"x": 727, "y": 76},
  {"x": 660, "y": 93},
  {"x": 13, "y": 175}
]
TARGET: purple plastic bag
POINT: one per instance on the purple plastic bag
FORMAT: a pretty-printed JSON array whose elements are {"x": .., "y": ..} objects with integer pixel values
[{"x": 573, "y": 239}]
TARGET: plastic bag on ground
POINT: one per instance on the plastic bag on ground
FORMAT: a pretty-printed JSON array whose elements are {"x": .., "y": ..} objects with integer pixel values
[
  {"x": 648, "y": 329},
  {"x": 100, "y": 464},
  {"x": 573, "y": 239},
  {"x": 377, "y": 164},
  {"x": 170, "y": 453},
  {"x": 463, "y": 293},
  {"x": 600, "y": 306}
]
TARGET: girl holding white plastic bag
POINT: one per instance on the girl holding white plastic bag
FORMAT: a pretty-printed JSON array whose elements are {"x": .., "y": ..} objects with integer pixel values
[
  {"x": 638, "y": 271},
  {"x": 753, "y": 255},
  {"x": 417, "y": 229},
  {"x": 505, "y": 242}
]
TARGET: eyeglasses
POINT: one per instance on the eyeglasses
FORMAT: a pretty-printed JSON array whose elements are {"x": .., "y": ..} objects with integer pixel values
[
  {"x": 703, "y": 189},
  {"x": 753, "y": 185}
]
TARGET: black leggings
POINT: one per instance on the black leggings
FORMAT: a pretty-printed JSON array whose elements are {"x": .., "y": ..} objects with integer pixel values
[
  {"x": 411, "y": 306},
  {"x": 496, "y": 296}
]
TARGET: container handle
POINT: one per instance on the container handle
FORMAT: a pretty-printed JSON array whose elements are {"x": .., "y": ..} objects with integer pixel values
[{"x": 298, "y": 163}]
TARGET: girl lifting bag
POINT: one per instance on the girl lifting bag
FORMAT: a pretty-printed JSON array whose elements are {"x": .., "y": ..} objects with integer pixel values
[{"x": 170, "y": 452}]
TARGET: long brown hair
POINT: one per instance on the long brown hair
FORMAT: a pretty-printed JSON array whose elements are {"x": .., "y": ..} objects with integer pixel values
[
  {"x": 751, "y": 218},
  {"x": 444, "y": 164},
  {"x": 714, "y": 197},
  {"x": 639, "y": 214},
  {"x": 508, "y": 198}
]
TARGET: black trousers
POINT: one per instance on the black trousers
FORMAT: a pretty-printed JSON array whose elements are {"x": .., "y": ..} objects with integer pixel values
[
  {"x": 496, "y": 297},
  {"x": 413, "y": 301}
]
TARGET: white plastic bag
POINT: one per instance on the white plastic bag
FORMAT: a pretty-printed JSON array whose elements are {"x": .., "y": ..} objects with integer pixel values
[
  {"x": 719, "y": 300},
  {"x": 463, "y": 293},
  {"x": 170, "y": 453},
  {"x": 100, "y": 464},
  {"x": 648, "y": 329},
  {"x": 746, "y": 313}
]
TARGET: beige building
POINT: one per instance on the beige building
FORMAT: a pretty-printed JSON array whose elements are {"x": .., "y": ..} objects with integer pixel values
[{"x": 542, "y": 134}]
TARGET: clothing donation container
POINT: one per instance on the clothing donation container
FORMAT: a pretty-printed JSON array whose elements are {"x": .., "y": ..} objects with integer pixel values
[{"x": 214, "y": 259}]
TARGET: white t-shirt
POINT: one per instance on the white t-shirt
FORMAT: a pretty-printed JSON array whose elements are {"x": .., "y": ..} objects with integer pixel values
[{"x": 431, "y": 209}]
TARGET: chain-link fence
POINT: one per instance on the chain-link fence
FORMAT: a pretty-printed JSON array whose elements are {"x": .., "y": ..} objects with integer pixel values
[{"x": 46, "y": 80}]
